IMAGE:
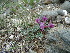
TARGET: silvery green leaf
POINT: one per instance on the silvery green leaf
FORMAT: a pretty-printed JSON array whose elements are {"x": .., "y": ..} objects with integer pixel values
[
  {"x": 39, "y": 35},
  {"x": 35, "y": 28}
]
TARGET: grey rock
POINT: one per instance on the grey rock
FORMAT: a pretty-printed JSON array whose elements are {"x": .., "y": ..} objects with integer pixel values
[
  {"x": 53, "y": 49},
  {"x": 50, "y": 13},
  {"x": 63, "y": 36},
  {"x": 55, "y": 1},
  {"x": 66, "y": 6},
  {"x": 58, "y": 1},
  {"x": 51, "y": 38},
  {"x": 60, "y": 12},
  {"x": 62, "y": 51}
]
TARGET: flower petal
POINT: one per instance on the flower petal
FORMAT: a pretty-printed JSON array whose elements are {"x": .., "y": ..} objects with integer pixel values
[
  {"x": 51, "y": 25},
  {"x": 42, "y": 26},
  {"x": 37, "y": 20},
  {"x": 44, "y": 18}
]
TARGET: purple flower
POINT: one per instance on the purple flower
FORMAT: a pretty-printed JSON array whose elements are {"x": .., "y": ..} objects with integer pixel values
[
  {"x": 42, "y": 26},
  {"x": 50, "y": 24},
  {"x": 44, "y": 18},
  {"x": 37, "y": 20}
]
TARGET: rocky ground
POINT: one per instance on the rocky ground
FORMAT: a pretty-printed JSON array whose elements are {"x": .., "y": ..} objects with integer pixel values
[{"x": 56, "y": 40}]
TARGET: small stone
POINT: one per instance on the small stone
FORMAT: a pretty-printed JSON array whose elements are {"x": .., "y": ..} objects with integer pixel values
[
  {"x": 65, "y": 12},
  {"x": 47, "y": 1},
  {"x": 11, "y": 37},
  {"x": 67, "y": 20},
  {"x": 18, "y": 28}
]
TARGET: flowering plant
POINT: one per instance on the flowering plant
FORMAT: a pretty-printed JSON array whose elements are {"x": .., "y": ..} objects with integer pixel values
[
  {"x": 38, "y": 30},
  {"x": 42, "y": 23}
]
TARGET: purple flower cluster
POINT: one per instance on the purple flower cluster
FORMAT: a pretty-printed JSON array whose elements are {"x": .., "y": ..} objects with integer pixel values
[{"x": 42, "y": 24}]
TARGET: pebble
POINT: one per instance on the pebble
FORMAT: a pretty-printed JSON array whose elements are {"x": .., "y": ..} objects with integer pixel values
[
  {"x": 18, "y": 28},
  {"x": 47, "y": 2},
  {"x": 11, "y": 37},
  {"x": 65, "y": 12},
  {"x": 67, "y": 20}
]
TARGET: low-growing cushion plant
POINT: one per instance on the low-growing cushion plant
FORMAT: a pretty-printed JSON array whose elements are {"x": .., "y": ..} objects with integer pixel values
[{"x": 38, "y": 30}]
